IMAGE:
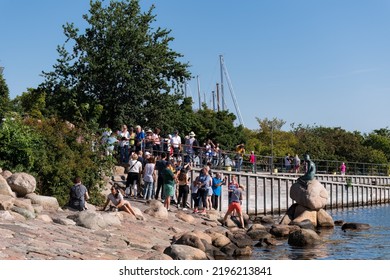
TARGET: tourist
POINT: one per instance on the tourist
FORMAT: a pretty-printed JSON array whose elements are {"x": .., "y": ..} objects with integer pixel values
[
  {"x": 287, "y": 163},
  {"x": 297, "y": 163},
  {"x": 133, "y": 176},
  {"x": 160, "y": 167},
  {"x": 184, "y": 188},
  {"x": 203, "y": 182},
  {"x": 169, "y": 184},
  {"x": 240, "y": 151},
  {"x": 176, "y": 144},
  {"x": 217, "y": 188},
  {"x": 78, "y": 195},
  {"x": 116, "y": 198},
  {"x": 343, "y": 168},
  {"x": 149, "y": 176},
  {"x": 124, "y": 137},
  {"x": 139, "y": 138},
  {"x": 235, "y": 205},
  {"x": 252, "y": 160}
]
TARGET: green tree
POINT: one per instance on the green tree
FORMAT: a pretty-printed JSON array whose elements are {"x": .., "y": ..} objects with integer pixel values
[
  {"x": 4, "y": 97},
  {"x": 31, "y": 103},
  {"x": 120, "y": 70}
]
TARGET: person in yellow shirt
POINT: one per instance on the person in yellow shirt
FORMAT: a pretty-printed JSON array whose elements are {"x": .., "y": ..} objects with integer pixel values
[{"x": 240, "y": 151}]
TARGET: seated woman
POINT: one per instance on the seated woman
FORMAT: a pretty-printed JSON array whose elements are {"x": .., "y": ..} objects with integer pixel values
[{"x": 117, "y": 199}]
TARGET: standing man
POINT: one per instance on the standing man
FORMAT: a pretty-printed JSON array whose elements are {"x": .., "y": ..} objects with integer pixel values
[
  {"x": 176, "y": 144},
  {"x": 240, "y": 151},
  {"x": 139, "y": 139}
]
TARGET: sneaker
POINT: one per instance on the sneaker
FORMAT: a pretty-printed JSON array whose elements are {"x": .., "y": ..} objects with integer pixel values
[
  {"x": 203, "y": 211},
  {"x": 178, "y": 206},
  {"x": 195, "y": 211},
  {"x": 185, "y": 209}
]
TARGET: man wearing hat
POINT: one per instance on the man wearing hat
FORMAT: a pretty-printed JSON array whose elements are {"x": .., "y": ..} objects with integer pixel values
[
  {"x": 191, "y": 146},
  {"x": 149, "y": 141}
]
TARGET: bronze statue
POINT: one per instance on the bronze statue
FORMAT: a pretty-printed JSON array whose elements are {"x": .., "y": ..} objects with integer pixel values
[{"x": 310, "y": 171}]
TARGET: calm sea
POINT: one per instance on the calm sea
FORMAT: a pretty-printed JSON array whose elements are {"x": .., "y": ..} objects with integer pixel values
[{"x": 372, "y": 244}]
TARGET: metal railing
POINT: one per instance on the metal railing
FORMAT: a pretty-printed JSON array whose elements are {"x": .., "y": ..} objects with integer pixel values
[{"x": 270, "y": 194}]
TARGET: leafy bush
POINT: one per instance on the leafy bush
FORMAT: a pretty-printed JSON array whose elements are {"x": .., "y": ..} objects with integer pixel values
[{"x": 55, "y": 152}]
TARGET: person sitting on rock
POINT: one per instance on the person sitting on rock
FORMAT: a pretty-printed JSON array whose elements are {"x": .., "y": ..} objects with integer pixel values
[
  {"x": 78, "y": 195},
  {"x": 116, "y": 198},
  {"x": 310, "y": 171}
]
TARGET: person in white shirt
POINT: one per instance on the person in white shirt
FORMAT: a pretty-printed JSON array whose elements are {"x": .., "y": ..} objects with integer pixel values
[
  {"x": 116, "y": 198},
  {"x": 176, "y": 144}
]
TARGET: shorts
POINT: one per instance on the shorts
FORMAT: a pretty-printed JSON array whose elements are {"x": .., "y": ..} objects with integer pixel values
[
  {"x": 169, "y": 190},
  {"x": 235, "y": 206}
]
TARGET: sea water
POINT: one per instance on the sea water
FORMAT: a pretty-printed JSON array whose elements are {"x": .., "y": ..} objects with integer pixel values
[{"x": 370, "y": 244}]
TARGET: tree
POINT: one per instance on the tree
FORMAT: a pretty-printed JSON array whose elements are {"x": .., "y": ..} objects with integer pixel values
[
  {"x": 4, "y": 97},
  {"x": 120, "y": 70}
]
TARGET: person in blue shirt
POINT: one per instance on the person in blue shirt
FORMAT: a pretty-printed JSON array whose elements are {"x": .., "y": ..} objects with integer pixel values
[{"x": 218, "y": 182}]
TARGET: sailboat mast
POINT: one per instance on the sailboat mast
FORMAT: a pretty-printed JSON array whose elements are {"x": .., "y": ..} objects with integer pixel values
[{"x": 222, "y": 92}]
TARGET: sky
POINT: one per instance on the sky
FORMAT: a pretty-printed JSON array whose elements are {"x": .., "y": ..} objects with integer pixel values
[{"x": 306, "y": 62}]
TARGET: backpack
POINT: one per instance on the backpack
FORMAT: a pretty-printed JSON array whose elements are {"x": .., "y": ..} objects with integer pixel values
[{"x": 77, "y": 197}]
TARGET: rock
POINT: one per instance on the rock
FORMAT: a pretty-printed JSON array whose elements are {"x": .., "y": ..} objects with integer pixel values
[
  {"x": 25, "y": 204},
  {"x": 89, "y": 219},
  {"x": 5, "y": 215},
  {"x": 241, "y": 240},
  {"x": 306, "y": 224},
  {"x": 157, "y": 210},
  {"x": 6, "y": 174},
  {"x": 5, "y": 189},
  {"x": 119, "y": 170},
  {"x": 303, "y": 237},
  {"x": 302, "y": 213},
  {"x": 202, "y": 235},
  {"x": 6, "y": 202},
  {"x": 219, "y": 240},
  {"x": 192, "y": 240},
  {"x": 22, "y": 183},
  {"x": 112, "y": 218},
  {"x": 185, "y": 217},
  {"x": 257, "y": 227},
  {"x": 282, "y": 230},
  {"x": 64, "y": 221},
  {"x": 289, "y": 216},
  {"x": 355, "y": 226},
  {"x": 258, "y": 234},
  {"x": 339, "y": 222},
  {"x": 184, "y": 252},
  {"x": 24, "y": 212},
  {"x": 324, "y": 219},
  {"x": 45, "y": 218},
  {"x": 314, "y": 196},
  {"x": 47, "y": 202}
]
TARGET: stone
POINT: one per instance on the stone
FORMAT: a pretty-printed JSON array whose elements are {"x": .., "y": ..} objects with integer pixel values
[
  {"x": 241, "y": 240},
  {"x": 302, "y": 213},
  {"x": 6, "y": 174},
  {"x": 64, "y": 221},
  {"x": 89, "y": 219},
  {"x": 25, "y": 204},
  {"x": 257, "y": 227},
  {"x": 324, "y": 219},
  {"x": 202, "y": 235},
  {"x": 47, "y": 202},
  {"x": 184, "y": 252},
  {"x": 192, "y": 240},
  {"x": 45, "y": 218},
  {"x": 157, "y": 210},
  {"x": 303, "y": 237},
  {"x": 5, "y": 215},
  {"x": 282, "y": 230},
  {"x": 258, "y": 234},
  {"x": 24, "y": 212},
  {"x": 5, "y": 189},
  {"x": 185, "y": 217},
  {"x": 355, "y": 226},
  {"x": 22, "y": 183},
  {"x": 307, "y": 224},
  {"x": 219, "y": 240},
  {"x": 313, "y": 196},
  {"x": 6, "y": 202}
]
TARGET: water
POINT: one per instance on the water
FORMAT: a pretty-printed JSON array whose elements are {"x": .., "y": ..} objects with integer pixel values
[{"x": 371, "y": 244}]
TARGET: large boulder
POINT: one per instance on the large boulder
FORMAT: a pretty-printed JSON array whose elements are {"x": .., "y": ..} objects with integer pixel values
[
  {"x": 184, "y": 252},
  {"x": 25, "y": 204},
  {"x": 355, "y": 226},
  {"x": 24, "y": 212},
  {"x": 302, "y": 213},
  {"x": 185, "y": 217},
  {"x": 89, "y": 219},
  {"x": 22, "y": 183},
  {"x": 313, "y": 196},
  {"x": 192, "y": 240},
  {"x": 6, "y": 174},
  {"x": 303, "y": 237},
  {"x": 157, "y": 210},
  {"x": 47, "y": 202},
  {"x": 5, "y": 189}
]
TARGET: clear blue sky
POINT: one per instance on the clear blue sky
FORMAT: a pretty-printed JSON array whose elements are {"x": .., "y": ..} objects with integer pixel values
[{"x": 304, "y": 61}]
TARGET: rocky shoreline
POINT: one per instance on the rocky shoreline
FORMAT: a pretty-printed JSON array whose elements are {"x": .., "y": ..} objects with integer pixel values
[{"x": 35, "y": 227}]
